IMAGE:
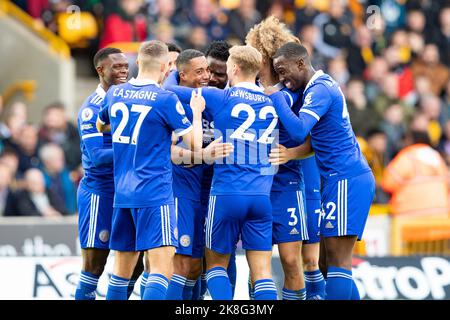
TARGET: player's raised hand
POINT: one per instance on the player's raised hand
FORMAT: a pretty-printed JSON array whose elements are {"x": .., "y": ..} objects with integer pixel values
[
  {"x": 217, "y": 150},
  {"x": 197, "y": 102},
  {"x": 270, "y": 90},
  {"x": 279, "y": 155}
]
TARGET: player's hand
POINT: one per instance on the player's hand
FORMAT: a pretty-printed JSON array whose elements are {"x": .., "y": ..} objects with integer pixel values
[
  {"x": 197, "y": 102},
  {"x": 271, "y": 90},
  {"x": 217, "y": 150},
  {"x": 279, "y": 155}
]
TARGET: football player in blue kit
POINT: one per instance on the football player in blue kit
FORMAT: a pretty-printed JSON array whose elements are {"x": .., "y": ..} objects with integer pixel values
[
  {"x": 287, "y": 194},
  {"x": 348, "y": 183},
  {"x": 239, "y": 203},
  {"x": 96, "y": 189},
  {"x": 143, "y": 117},
  {"x": 187, "y": 178},
  {"x": 314, "y": 281}
]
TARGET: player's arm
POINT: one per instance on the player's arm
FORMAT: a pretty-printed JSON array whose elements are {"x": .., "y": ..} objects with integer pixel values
[
  {"x": 314, "y": 107},
  {"x": 213, "y": 97},
  {"x": 280, "y": 154},
  {"x": 95, "y": 149},
  {"x": 92, "y": 139},
  {"x": 103, "y": 124},
  {"x": 214, "y": 151},
  {"x": 194, "y": 138}
]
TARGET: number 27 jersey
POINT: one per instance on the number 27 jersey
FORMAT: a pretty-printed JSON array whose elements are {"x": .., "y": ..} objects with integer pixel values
[{"x": 143, "y": 117}]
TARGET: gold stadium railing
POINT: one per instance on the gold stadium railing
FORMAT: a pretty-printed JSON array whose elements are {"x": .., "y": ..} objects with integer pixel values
[
  {"x": 55, "y": 43},
  {"x": 27, "y": 87},
  {"x": 413, "y": 236},
  {"x": 420, "y": 236}
]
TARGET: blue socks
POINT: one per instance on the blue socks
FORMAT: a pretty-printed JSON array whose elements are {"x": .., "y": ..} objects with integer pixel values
[
  {"x": 118, "y": 288},
  {"x": 156, "y": 287},
  {"x": 218, "y": 284},
  {"x": 143, "y": 283},
  {"x": 315, "y": 285},
  {"x": 130, "y": 288},
  {"x": 86, "y": 286},
  {"x": 294, "y": 294},
  {"x": 232, "y": 272},
  {"x": 265, "y": 289},
  {"x": 189, "y": 289},
  {"x": 176, "y": 287},
  {"x": 203, "y": 288},
  {"x": 339, "y": 284}
]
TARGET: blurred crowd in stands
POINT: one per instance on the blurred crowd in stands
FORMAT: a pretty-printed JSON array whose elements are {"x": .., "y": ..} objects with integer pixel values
[{"x": 391, "y": 58}]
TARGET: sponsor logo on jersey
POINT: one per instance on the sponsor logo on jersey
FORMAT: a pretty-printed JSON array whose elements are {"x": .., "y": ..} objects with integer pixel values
[
  {"x": 329, "y": 225},
  {"x": 308, "y": 99},
  {"x": 87, "y": 114},
  {"x": 86, "y": 126},
  {"x": 293, "y": 231},
  {"x": 104, "y": 236},
  {"x": 185, "y": 240}
]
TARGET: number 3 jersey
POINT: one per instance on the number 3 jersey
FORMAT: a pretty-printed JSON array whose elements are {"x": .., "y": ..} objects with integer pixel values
[
  {"x": 143, "y": 117},
  {"x": 245, "y": 117}
]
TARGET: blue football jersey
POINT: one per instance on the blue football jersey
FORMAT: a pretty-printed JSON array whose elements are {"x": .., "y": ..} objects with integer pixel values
[
  {"x": 311, "y": 177},
  {"x": 96, "y": 148},
  {"x": 244, "y": 116},
  {"x": 188, "y": 182},
  {"x": 143, "y": 117},
  {"x": 325, "y": 116},
  {"x": 290, "y": 175}
]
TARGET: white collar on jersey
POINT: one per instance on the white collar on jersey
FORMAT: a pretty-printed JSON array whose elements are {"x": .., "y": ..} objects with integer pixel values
[
  {"x": 249, "y": 85},
  {"x": 142, "y": 82},
  {"x": 314, "y": 77},
  {"x": 100, "y": 91}
]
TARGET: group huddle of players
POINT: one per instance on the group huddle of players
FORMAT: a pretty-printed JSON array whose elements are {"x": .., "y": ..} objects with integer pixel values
[{"x": 203, "y": 150}]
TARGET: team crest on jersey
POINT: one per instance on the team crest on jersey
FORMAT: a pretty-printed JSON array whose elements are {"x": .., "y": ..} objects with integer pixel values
[
  {"x": 104, "y": 235},
  {"x": 185, "y": 240},
  {"x": 180, "y": 108},
  {"x": 308, "y": 99},
  {"x": 87, "y": 114}
]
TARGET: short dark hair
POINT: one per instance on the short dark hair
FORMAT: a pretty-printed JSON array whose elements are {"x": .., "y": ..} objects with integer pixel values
[
  {"x": 291, "y": 50},
  {"x": 219, "y": 50},
  {"x": 373, "y": 132},
  {"x": 173, "y": 47},
  {"x": 102, "y": 54},
  {"x": 186, "y": 56}
]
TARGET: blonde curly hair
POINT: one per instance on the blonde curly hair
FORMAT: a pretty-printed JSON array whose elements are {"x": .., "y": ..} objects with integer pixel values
[{"x": 268, "y": 36}]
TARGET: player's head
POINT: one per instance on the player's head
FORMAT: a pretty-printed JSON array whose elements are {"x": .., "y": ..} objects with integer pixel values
[
  {"x": 217, "y": 55},
  {"x": 153, "y": 59},
  {"x": 243, "y": 64},
  {"x": 111, "y": 65},
  {"x": 293, "y": 66},
  {"x": 193, "y": 68},
  {"x": 267, "y": 37},
  {"x": 174, "y": 51}
]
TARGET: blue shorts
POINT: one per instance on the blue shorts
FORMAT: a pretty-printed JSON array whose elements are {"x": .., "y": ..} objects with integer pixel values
[
  {"x": 190, "y": 222},
  {"x": 289, "y": 217},
  {"x": 229, "y": 216},
  {"x": 94, "y": 219},
  {"x": 346, "y": 205},
  {"x": 313, "y": 213},
  {"x": 140, "y": 229}
]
